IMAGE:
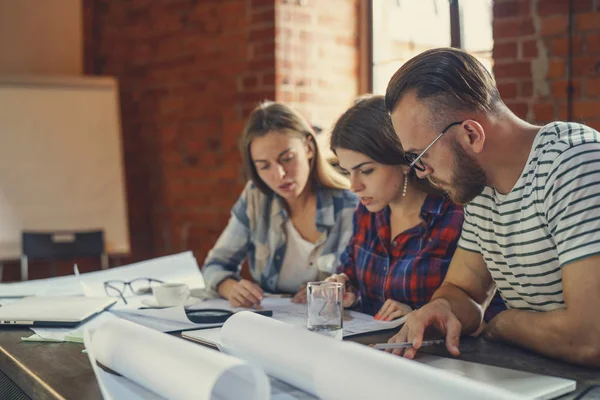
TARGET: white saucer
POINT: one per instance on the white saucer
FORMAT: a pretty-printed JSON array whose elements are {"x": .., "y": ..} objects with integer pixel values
[{"x": 151, "y": 302}]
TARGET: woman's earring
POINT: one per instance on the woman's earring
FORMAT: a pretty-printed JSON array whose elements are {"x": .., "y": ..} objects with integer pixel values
[{"x": 405, "y": 184}]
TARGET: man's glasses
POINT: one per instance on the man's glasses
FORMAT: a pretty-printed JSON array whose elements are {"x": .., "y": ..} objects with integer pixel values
[
  {"x": 138, "y": 286},
  {"x": 414, "y": 160}
]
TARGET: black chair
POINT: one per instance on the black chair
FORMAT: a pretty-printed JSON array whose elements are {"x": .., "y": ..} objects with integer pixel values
[{"x": 61, "y": 245}]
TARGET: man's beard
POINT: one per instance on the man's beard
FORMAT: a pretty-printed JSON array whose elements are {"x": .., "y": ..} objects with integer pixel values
[{"x": 469, "y": 179}]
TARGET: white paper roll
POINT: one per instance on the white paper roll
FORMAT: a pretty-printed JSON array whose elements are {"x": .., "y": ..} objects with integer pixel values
[
  {"x": 284, "y": 351},
  {"x": 360, "y": 372},
  {"x": 175, "y": 368},
  {"x": 333, "y": 370}
]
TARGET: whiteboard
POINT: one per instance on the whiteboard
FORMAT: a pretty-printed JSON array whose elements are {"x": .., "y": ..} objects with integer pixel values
[{"x": 61, "y": 162}]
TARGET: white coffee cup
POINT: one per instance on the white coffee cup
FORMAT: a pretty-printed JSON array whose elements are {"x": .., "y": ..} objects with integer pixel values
[{"x": 171, "y": 294}]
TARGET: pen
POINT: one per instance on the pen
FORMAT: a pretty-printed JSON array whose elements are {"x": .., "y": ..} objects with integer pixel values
[{"x": 403, "y": 345}]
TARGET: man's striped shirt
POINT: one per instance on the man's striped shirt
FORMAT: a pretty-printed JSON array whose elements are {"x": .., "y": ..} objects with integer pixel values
[{"x": 550, "y": 219}]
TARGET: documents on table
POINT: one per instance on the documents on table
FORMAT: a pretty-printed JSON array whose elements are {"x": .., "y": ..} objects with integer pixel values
[
  {"x": 68, "y": 334},
  {"x": 255, "y": 346},
  {"x": 181, "y": 267},
  {"x": 170, "y": 319},
  {"x": 62, "y": 285},
  {"x": 284, "y": 310}
]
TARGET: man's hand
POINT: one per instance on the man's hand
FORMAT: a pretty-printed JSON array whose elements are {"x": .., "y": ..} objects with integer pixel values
[
  {"x": 438, "y": 314},
  {"x": 242, "y": 293},
  {"x": 349, "y": 295},
  {"x": 300, "y": 297},
  {"x": 392, "y": 309}
]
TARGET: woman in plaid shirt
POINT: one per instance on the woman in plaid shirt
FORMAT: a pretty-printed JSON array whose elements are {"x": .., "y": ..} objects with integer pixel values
[
  {"x": 293, "y": 219},
  {"x": 405, "y": 230}
]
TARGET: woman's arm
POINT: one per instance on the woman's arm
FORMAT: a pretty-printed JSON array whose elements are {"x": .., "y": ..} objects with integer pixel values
[{"x": 224, "y": 259}]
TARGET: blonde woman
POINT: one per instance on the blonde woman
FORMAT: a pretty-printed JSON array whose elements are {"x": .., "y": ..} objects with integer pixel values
[{"x": 293, "y": 218}]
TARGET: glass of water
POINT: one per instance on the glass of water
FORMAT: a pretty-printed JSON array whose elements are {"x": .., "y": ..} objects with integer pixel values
[{"x": 325, "y": 308}]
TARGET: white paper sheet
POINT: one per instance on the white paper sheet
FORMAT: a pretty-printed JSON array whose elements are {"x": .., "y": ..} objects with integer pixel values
[
  {"x": 170, "y": 319},
  {"x": 174, "y": 368},
  {"x": 62, "y": 285},
  {"x": 295, "y": 314},
  {"x": 4, "y": 302},
  {"x": 282, "y": 391},
  {"x": 331, "y": 369},
  {"x": 181, "y": 267},
  {"x": 56, "y": 334},
  {"x": 61, "y": 334}
]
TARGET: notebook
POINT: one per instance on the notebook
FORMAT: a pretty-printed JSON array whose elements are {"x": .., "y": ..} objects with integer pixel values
[
  {"x": 56, "y": 311},
  {"x": 530, "y": 385}
]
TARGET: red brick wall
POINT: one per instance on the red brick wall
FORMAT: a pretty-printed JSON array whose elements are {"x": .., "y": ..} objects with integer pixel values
[
  {"x": 190, "y": 72},
  {"x": 317, "y": 62},
  {"x": 531, "y": 58}
]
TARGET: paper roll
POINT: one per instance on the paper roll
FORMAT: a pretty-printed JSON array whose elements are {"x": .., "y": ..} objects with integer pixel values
[
  {"x": 361, "y": 372},
  {"x": 333, "y": 370},
  {"x": 175, "y": 368}
]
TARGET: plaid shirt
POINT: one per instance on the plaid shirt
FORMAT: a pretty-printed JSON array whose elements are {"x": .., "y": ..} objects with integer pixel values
[
  {"x": 256, "y": 232},
  {"x": 410, "y": 268}
]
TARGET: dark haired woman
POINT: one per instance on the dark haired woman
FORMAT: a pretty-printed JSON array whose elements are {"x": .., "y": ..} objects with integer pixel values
[{"x": 405, "y": 230}]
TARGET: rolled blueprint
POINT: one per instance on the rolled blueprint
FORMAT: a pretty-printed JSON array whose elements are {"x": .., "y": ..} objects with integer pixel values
[
  {"x": 331, "y": 369},
  {"x": 173, "y": 368}
]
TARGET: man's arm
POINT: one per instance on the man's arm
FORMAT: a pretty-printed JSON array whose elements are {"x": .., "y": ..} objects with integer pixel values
[
  {"x": 468, "y": 288},
  {"x": 571, "y": 333},
  {"x": 456, "y": 307},
  {"x": 572, "y": 208}
]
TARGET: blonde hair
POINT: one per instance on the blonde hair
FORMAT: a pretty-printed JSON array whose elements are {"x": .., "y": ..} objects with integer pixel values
[{"x": 271, "y": 116}]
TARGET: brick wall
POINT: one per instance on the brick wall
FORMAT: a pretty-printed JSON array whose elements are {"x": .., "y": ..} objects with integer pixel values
[
  {"x": 531, "y": 56},
  {"x": 317, "y": 61},
  {"x": 190, "y": 72}
]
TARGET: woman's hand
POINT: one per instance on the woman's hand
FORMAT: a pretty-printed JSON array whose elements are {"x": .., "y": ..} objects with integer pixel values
[
  {"x": 300, "y": 297},
  {"x": 349, "y": 294},
  {"x": 243, "y": 293},
  {"x": 392, "y": 309}
]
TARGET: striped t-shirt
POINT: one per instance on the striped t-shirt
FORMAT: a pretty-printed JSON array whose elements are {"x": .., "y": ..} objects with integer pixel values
[{"x": 550, "y": 218}]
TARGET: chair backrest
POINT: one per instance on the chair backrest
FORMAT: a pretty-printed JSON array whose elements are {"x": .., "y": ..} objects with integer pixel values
[{"x": 62, "y": 245}]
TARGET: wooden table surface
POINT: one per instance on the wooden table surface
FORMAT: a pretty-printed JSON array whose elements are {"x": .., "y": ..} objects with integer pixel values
[
  {"x": 46, "y": 370},
  {"x": 61, "y": 371}
]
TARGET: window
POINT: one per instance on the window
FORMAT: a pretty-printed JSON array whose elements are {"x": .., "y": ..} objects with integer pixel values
[{"x": 402, "y": 29}]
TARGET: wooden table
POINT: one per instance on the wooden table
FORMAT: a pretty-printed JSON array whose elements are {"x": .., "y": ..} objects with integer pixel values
[
  {"x": 46, "y": 370},
  {"x": 62, "y": 371}
]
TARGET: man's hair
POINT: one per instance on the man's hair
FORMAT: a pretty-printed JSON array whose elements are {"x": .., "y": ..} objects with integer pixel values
[
  {"x": 447, "y": 80},
  {"x": 366, "y": 128}
]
